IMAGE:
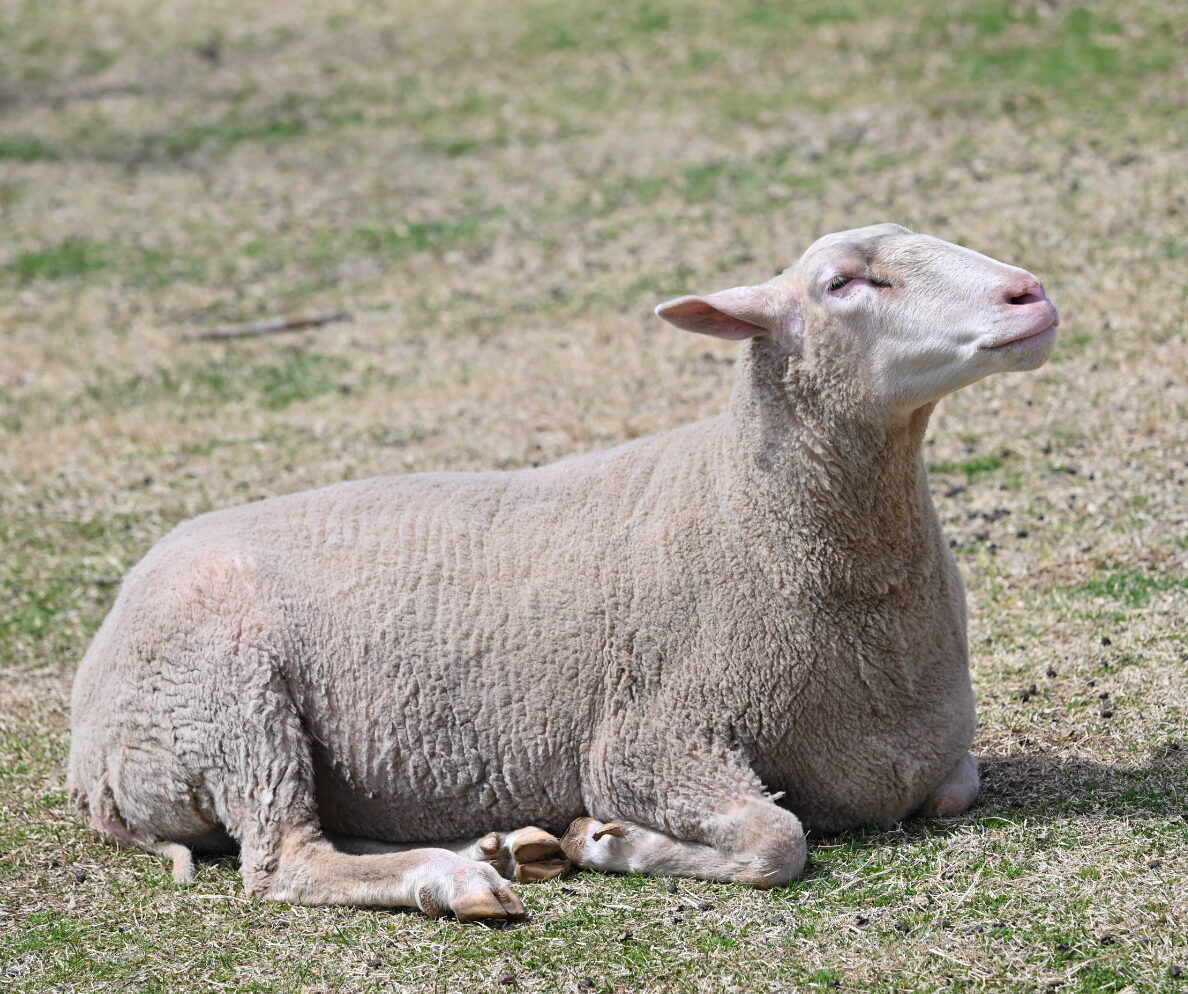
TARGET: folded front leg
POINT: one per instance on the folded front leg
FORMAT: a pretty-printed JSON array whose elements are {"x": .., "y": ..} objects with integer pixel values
[{"x": 750, "y": 841}]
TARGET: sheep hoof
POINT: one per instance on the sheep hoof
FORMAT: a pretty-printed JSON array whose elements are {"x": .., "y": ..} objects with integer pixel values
[
  {"x": 470, "y": 892},
  {"x": 488, "y": 904},
  {"x": 579, "y": 839},
  {"x": 530, "y": 844},
  {"x": 542, "y": 869},
  {"x": 537, "y": 855},
  {"x": 528, "y": 855}
]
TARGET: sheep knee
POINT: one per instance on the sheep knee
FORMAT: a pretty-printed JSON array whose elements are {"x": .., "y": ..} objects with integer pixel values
[{"x": 772, "y": 846}]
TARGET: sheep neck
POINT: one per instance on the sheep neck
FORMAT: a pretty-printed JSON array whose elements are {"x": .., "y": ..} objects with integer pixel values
[{"x": 828, "y": 481}]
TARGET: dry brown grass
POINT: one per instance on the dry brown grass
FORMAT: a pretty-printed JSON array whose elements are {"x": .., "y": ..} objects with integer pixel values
[{"x": 499, "y": 193}]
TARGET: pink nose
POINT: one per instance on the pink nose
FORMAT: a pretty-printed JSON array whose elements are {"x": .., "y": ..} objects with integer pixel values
[
  {"x": 1028, "y": 295},
  {"x": 1026, "y": 292}
]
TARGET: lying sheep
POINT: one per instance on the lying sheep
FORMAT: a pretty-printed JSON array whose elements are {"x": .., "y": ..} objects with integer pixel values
[{"x": 641, "y": 644}]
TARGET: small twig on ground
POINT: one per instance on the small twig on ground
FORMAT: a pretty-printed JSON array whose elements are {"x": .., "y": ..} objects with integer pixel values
[{"x": 269, "y": 326}]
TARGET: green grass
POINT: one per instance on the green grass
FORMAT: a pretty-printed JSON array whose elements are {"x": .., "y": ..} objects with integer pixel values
[
  {"x": 973, "y": 469},
  {"x": 51, "y": 603},
  {"x": 423, "y": 236},
  {"x": 1084, "y": 55},
  {"x": 73, "y": 257},
  {"x": 84, "y": 261},
  {"x": 1132, "y": 587},
  {"x": 27, "y": 148},
  {"x": 274, "y": 383}
]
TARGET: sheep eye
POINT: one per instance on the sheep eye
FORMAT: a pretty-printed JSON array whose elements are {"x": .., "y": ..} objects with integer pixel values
[{"x": 839, "y": 281}]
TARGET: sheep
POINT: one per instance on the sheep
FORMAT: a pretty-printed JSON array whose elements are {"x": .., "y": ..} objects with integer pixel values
[{"x": 400, "y": 691}]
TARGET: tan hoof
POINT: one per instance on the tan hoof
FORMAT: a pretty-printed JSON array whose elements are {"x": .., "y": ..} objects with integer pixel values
[
  {"x": 528, "y": 854},
  {"x": 532, "y": 844},
  {"x": 618, "y": 829},
  {"x": 542, "y": 869},
  {"x": 480, "y": 904}
]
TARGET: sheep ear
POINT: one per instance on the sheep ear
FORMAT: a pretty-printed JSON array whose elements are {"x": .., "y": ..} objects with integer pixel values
[{"x": 734, "y": 314}]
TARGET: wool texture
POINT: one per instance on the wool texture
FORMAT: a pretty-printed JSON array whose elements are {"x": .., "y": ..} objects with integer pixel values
[{"x": 665, "y": 633}]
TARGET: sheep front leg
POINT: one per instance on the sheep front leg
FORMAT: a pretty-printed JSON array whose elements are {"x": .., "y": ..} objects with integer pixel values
[{"x": 752, "y": 841}]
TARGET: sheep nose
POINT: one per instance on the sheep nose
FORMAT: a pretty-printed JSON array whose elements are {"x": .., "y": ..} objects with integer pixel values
[
  {"x": 1030, "y": 291},
  {"x": 1028, "y": 295}
]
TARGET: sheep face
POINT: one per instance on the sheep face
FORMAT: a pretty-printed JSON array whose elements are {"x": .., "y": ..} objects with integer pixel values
[
  {"x": 902, "y": 318},
  {"x": 915, "y": 318}
]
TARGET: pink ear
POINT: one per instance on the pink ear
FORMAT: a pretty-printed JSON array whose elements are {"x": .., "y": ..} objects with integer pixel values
[
  {"x": 734, "y": 314},
  {"x": 696, "y": 314}
]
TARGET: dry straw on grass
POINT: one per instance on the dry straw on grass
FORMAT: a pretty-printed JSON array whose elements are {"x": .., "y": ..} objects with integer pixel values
[{"x": 499, "y": 193}]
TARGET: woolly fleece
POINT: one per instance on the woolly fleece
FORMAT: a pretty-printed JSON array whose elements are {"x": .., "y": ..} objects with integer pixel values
[{"x": 644, "y": 642}]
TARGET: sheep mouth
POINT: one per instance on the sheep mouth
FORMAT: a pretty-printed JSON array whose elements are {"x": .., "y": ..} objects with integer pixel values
[{"x": 1031, "y": 335}]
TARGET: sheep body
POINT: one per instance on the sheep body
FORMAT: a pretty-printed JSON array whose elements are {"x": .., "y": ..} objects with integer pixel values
[{"x": 641, "y": 642}]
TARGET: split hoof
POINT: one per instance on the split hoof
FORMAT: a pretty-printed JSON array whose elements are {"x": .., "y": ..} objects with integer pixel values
[
  {"x": 527, "y": 855},
  {"x": 470, "y": 892},
  {"x": 489, "y": 904},
  {"x": 531, "y": 844}
]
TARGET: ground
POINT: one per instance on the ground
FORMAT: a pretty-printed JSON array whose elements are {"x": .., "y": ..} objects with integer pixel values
[{"x": 498, "y": 193}]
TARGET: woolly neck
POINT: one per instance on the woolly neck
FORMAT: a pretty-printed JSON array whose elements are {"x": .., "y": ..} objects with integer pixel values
[{"x": 833, "y": 483}]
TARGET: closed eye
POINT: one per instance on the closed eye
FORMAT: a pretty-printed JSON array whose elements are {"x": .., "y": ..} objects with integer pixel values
[{"x": 841, "y": 281}]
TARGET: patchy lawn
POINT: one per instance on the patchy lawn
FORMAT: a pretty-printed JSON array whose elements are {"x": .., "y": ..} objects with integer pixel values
[{"x": 499, "y": 193}]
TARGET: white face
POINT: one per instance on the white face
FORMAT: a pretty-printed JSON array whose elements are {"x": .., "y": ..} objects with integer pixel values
[{"x": 918, "y": 316}]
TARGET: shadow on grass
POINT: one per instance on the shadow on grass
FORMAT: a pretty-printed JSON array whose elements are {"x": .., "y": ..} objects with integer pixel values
[
  {"x": 1037, "y": 789},
  {"x": 1052, "y": 786}
]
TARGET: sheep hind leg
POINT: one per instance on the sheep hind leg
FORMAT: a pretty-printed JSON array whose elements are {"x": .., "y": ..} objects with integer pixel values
[
  {"x": 285, "y": 856},
  {"x": 180, "y": 855},
  {"x": 755, "y": 842},
  {"x": 266, "y": 800},
  {"x": 526, "y": 855},
  {"x": 309, "y": 870}
]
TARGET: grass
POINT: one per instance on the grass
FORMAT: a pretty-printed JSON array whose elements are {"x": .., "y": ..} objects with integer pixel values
[
  {"x": 1133, "y": 587},
  {"x": 973, "y": 469},
  {"x": 73, "y": 257},
  {"x": 421, "y": 236},
  {"x": 499, "y": 193}
]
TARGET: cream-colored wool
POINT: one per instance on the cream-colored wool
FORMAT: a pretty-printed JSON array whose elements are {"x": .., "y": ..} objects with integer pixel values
[{"x": 639, "y": 644}]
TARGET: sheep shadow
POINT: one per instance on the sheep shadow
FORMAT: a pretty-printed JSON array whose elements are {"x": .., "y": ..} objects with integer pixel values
[
  {"x": 1045, "y": 787},
  {"x": 1048, "y": 788}
]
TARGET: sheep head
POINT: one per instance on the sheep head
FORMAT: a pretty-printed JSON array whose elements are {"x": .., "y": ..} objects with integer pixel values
[{"x": 903, "y": 318}]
